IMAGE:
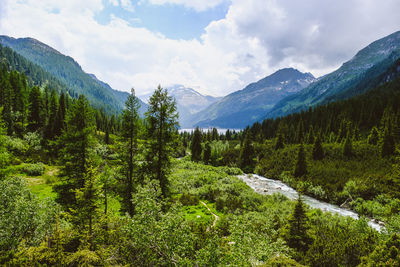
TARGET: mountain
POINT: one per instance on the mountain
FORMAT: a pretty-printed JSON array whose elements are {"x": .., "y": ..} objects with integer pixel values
[
  {"x": 243, "y": 107},
  {"x": 69, "y": 72},
  {"x": 353, "y": 78},
  {"x": 188, "y": 101}
]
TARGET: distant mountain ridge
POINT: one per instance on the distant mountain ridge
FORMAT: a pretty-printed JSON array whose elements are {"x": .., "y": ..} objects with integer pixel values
[
  {"x": 188, "y": 101},
  {"x": 68, "y": 71},
  {"x": 246, "y": 106},
  {"x": 349, "y": 80}
]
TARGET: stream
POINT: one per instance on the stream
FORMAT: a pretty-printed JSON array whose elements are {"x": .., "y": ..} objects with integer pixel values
[{"x": 267, "y": 186}]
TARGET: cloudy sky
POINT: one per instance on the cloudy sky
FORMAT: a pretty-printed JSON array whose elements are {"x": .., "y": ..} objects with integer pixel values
[{"x": 215, "y": 46}]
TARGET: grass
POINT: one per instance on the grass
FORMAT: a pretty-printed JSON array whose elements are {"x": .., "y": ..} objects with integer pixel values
[
  {"x": 197, "y": 213},
  {"x": 42, "y": 186}
]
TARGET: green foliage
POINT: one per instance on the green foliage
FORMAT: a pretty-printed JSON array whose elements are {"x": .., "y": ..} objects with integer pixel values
[
  {"x": 207, "y": 153},
  {"x": 22, "y": 215},
  {"x": 36, "y": 169},
  {"x": 161, "y": 125},
  {"x": 317, "y": 152},
  {"x": 373, "y": 137},
  {"x": 129, "y": 133},
  {"x": 78, "y": 141},
  {"x": 388, "y": 146},
  {"x": 297, "y": 235},
  {"x": 348, "y": 147},
  {"x": 385, "y": 254},
  {"x": 247, "y": 156},
  {"x": 300, "y": 168},
  {"x": 195, "y": 146}
]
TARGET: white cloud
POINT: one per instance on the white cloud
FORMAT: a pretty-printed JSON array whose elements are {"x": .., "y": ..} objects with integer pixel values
[
  {"x": 256, "y": 38},
  {"x": 127, "y": 5},
  {"x": 198, "y": 5}
]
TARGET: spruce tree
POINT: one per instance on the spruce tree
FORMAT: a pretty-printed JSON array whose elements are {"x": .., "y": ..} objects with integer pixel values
[
  {"x": 129, "y": 133},
  {"x": 373, "y": 137},
  {"x": 88, "y": 204},
  {"x": 51, "y": 122},
  {"x": 317, "y": 152},
  {"x": 161, "y": 122},
  {"x": 388, "y": 146},
  {"x": 348, "y": 147},
  {"x": 207, "y": 153},
  {"x": 279, "y": 142},
  {"x": 195, "y": 146},
  {"x": 301, "y": 163},
  {"x": 60, "y": 118},
  {"x": 35, "y": 116},
  {"x": 77, "y": 141},
  {"x": 297, "y": 236},
  {"x": 247, "y": 154},
  {"x": 299, "y": 138}
]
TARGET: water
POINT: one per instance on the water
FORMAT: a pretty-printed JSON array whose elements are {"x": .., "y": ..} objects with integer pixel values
[
  {"x": 267, "y": 186},
  {"x": 220, "y": 130}
]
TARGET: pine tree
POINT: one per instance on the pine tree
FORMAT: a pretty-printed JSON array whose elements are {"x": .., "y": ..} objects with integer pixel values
[
  {"x": 78, "y": 141},
  {"x": 88, "y": 203},
  {"x": 207, "y": 153},
  {"x": 195, "y": 146},
  {"x": 348, "y": 147},
  {"x": 247, "y": 154},
  {"x": 299, "y": 138},
  {"x": 129, "y": 133},
  {"x": 53, "y": 108},
  {"x": 301, "y": 163},
  {"x": 297, "y": 236},
  {"x": 35, "y": 115},
  {"x": 388, "y": 147},
  {"x": 373, "y": 137},
  {"x": 279, "y": 142},
  {"x": 161, "y": 119},
  {"x": 317, "y": 152},
  {"x": 60, "y": 118}
]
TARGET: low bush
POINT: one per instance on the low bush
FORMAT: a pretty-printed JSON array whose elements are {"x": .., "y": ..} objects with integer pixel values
[{"x": 35, "y": 169}]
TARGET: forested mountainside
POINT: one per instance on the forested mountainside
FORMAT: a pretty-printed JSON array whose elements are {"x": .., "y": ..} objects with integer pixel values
[
  {"x": 243, "y": 107},
  {"x": 70, "y": 73},
  {"x": 352, "y": 78}
]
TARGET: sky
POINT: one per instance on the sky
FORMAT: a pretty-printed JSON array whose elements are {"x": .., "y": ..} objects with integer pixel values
[{"x": 213, "y": 46}]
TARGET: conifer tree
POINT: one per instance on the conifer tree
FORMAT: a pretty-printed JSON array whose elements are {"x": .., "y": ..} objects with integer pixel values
[
  {"x": 279, "y": 142},
  {"x": 299, "y": 133},
  {"x": 207, "y": 153},
  {"x": 88, "y": 203},
  {"x": 195, "y": 146},
  {"x": 301, "y": 163},
  {"x": 60, "y": 119},
  {"x": 247, "y": 154},
  {"x": 35, "y": 115},
  {"x": 78, "y": 141},
  {"x": 317, "y": 152},
  {"x": 388, "y": 147},
  {"x": 373, "y": 137},
  {"x": 129, "y": 133},
  {"x": 348, "y": 147},
  {"x": 53, "y": 108},
  {"x": 297, "y": 236},
  {"x": 161, "y": 122}
]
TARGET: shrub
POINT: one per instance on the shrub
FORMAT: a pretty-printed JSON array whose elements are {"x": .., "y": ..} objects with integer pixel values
[
  {"x": 34, "y": 169},
  {"x": 189, "y": 199}
]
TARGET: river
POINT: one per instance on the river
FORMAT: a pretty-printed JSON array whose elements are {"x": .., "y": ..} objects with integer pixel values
[{"x": 267, "y": 186}]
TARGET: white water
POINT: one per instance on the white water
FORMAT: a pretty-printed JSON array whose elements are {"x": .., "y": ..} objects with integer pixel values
[{"x": 267, "y": 186}]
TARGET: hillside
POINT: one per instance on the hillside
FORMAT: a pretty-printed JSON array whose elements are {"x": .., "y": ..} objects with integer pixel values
[
  {"x": 69, "y": 72},
  {"x": 241, "y": 108},
  {"x": 350, "y": 79}
]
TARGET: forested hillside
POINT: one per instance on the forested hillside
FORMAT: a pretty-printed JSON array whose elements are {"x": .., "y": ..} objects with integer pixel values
[{"x": 70, "y": 73}]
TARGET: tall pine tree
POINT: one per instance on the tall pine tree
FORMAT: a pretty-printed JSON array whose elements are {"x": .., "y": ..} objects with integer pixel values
[
  {"x": 77, "y": 141},
  {"x": 300, "y": 168},
  {"x": 196, "y": 145},
  {"x": 129, "y": 133},
  {"x": 161, "y": 122}
]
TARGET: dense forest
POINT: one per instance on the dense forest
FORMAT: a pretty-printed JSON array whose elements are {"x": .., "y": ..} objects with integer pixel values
[{"x": 81, "y": 187}]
